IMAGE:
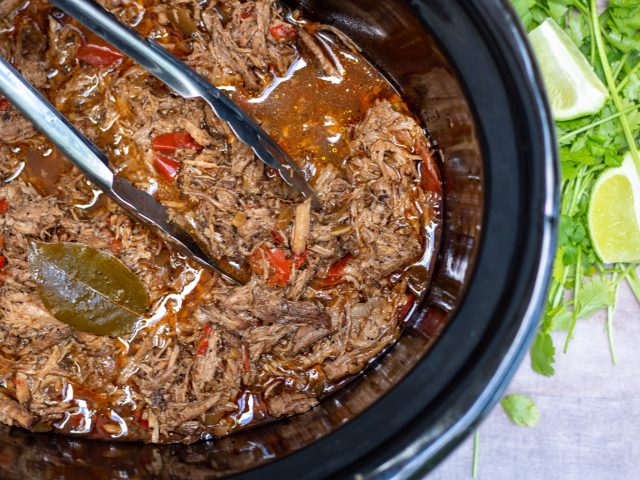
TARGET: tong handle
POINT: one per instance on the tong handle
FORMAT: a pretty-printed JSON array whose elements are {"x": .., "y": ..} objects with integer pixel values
[{"x": 35, "y": 107}]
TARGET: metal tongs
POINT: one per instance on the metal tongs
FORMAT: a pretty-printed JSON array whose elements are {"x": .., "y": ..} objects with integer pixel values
[{"x": 184, "y": 81}]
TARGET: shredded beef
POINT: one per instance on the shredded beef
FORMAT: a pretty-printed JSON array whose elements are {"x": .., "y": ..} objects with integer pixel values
[
  {"x": 14, "y": 128},
  {"x": 184, "y": 374},
  {"x": 288, "y": 403},
  {"x": 272, "y": 308},
  {"x": 9, "y": 6},
  {"x": 12, "y": 413}
]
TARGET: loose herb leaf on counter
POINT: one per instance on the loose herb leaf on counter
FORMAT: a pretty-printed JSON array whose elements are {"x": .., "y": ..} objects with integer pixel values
[
  {"x": 88, "y": 289},
  {"x": 521, "y": 410}
]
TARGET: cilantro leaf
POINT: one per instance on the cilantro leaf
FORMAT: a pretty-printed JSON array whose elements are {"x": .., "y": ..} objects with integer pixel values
[
  {"x": 522, "y": 9},
  {"x": 521, "y": 410},
  {"x": 543, "y": 354},
  {"x": 557, "y": 11},
  {"x": 595, "y": 295}
]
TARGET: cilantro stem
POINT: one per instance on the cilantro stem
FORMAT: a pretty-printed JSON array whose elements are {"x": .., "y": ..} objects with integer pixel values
[
  {"x": 612, "y": 85},
  {"x": 584, "y": 10},
  {"x": 582, "y": 184},
  {"x": 606, "y": 271},
  {"x": 627, "y": 78},
  {"x": 586, "y": 128},
  {"x": 476, "y": 455},
  {"x": 624, "y": 273},
  {"x": 576, "y": 296},
  {"x": 609, "y": 326},
  {"x": 575, "y": 189},
  {"x": 621, "y": 65},
  {"x": 560, "y": 292},
  {"x": 632, "y": 280}
]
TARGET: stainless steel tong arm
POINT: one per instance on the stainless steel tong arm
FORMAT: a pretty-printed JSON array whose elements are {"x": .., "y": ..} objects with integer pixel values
[
  {"x": 189, "y": 84},
  {"x": 58, "y": 129},
  {"x": 94, "y": 164}
]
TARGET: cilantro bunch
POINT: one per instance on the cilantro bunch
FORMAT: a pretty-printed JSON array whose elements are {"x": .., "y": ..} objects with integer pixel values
[{"x": 581, "y": 284}]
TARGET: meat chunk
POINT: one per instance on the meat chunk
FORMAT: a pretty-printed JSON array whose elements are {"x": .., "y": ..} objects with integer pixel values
[
  {"x": 290, "y": 403},
  {"x": 325, "y": 62},
  {"x": 193, "y": 410},
  {"x": 272, "y": 308},
  {"x": 8, "y": 6},
  {"x": 47, "y": 338},
  {"x": 209, "y": 360},
  {"x": 384, "y": 165},
  {"x": 14, "y": 128},
  {"x": 243, "y": 45},
  {"x": 306, "y": 336},
  {"x": 23, "y": 394},
  {"x": 12, "y": 413}
]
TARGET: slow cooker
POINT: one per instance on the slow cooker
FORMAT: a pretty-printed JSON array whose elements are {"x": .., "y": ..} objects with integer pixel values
[{"x": 465, "y": 68}]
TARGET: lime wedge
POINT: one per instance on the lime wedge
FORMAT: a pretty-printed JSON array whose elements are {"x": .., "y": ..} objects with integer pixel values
[
  {"x": 573, "y": 87},
  {"x": 614, "y": 214}
]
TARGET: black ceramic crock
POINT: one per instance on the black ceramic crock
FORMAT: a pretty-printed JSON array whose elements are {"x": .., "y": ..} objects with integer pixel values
[{"x": 466, "y": 70}]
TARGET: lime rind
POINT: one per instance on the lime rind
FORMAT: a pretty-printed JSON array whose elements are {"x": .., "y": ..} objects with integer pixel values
[
  {"x": 573, "y": 87},
  {"x": 614, "y": 218}
]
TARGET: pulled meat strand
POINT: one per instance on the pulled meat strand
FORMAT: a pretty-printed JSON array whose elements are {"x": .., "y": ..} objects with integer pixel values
[{"x": 301, "y": 228}]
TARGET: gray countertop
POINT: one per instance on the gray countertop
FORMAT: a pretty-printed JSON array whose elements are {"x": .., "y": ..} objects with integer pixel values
[{"x": 589, "y": 413}]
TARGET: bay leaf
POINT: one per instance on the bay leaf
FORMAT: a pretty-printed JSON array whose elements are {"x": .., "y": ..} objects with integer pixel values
[{"x": 86, "y": 288}]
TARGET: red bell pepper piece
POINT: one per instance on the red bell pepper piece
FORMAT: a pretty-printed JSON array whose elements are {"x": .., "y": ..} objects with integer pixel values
[
  {"x": 167, "y": 167},
  {"x": 277, "y": 237},
  {"x": 283, "y": 32},
  {"x": 279, "y": 264},
  {"x": 169, "y": 143},
  {"x": 204, "y": 341},
  {"x": 99, "y": 54},
  {"x": 247, "y": 13},
  {"x": 246, "y": 366},
  {"x": 335, "y": 273}
]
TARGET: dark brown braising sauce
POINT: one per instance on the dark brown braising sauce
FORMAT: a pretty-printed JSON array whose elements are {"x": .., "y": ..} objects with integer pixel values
[{"x": 311, "y": 114}]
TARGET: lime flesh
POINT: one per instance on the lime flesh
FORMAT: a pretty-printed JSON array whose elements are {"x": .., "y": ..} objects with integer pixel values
[
  {"x": 614, "y": 214},
  {"x": 573, "y": 88}
]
